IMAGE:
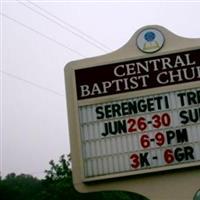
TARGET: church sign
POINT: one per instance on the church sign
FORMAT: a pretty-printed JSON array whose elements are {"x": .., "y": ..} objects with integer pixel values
[{"x": 135, "y": 112}]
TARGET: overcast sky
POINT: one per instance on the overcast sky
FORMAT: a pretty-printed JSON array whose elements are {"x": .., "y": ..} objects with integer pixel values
[{"x": 34, "y": 50}]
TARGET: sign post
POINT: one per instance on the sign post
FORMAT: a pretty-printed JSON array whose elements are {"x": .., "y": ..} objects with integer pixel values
[{"x": 134, "y": 117}]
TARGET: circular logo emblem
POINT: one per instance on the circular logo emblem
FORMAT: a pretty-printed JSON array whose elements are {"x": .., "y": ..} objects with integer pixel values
[{"x": 150, "y": 40}]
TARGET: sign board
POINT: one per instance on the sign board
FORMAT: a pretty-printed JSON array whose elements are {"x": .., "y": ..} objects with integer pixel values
[{"x": 135, "y": 113}]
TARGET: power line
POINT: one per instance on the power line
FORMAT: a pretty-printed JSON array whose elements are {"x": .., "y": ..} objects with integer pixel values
[
  {"x": 71, "y": 26},
  {"x": 41, "y": 34},
  {"x": 31, "y": 83},
  {"x": 91, "y": 40},
  {"x": 60, "y": 25},
  {"x": 1, "y": 92}
]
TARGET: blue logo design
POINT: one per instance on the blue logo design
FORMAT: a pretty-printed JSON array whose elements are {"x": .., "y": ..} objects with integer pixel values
[
  {"x": 150, "y": 40},
  {"x": 149, "y": 36}
]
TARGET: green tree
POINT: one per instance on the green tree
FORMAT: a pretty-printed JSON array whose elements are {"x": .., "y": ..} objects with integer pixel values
[
  {"x": 59, "y": 186},
  {"x": 59, "y": 171},
  {"x": 58, "y": 181},
  {"x": 19, "y": 187}
]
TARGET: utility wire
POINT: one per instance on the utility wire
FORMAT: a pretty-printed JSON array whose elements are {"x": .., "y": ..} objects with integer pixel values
[
  {"x": 32, "y": 83},
  {"x": 91, "y": 40},
  {"x": 41, "y": 34},
  {"x": 60, "y": 25}
]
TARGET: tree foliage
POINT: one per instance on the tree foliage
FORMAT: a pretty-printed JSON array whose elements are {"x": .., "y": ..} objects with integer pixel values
[
  {"x": 57, "y": 185},
  {"x": 21, "y": 187}
]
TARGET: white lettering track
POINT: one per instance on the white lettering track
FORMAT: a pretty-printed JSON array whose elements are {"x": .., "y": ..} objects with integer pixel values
[{"x": 141, "y": 133}]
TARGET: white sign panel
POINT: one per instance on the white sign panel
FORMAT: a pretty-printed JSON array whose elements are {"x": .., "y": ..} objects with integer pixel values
[{"x": 136, "y": 134}]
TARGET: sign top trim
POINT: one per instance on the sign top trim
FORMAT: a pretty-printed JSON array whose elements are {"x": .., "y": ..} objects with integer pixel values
[{"x": 130, "y": 50}]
